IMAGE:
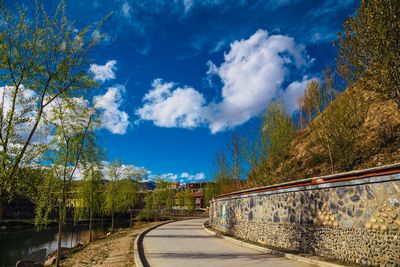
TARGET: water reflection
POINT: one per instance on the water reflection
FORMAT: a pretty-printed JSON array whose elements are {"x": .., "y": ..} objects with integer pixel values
[{"x": 16, "y": 244}]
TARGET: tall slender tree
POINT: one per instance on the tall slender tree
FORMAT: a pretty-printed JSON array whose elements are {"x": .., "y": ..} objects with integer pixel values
[
  {"x": 72, "y": 120},
  {"x": 369, "y": 48},
  {"x": 235, "y": 148},
  {"x": 120, "y": 193},
  {"x": 42, "y": 59},
  {"x": 88, "y": 198}
]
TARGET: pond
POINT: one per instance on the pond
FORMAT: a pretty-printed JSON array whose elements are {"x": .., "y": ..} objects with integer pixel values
[{"x": 18, "y": 243}]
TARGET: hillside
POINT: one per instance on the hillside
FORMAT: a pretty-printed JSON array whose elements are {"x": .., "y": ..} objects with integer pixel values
[{"x": 373, "y": 141}]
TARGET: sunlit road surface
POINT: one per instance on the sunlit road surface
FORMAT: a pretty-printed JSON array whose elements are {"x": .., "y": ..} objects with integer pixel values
[{"x": 186, "y": 243}]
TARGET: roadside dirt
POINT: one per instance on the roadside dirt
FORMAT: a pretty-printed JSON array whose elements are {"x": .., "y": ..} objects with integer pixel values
[{"x": 116, "y": 250}]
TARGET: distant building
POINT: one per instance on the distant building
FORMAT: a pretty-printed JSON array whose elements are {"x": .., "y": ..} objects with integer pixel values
[{"x": 197, "y": 190}]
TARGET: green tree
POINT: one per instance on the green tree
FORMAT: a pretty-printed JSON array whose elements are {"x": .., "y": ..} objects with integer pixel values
[
  {"x": 120, "y": 192},
  {"x": 255, "y": 149},
  {"x": 41, "y": 59},
  {"x": 160, "y": 196},
  {"x": 88, "y": 198},
  {"x": 369, "y": 48},
  {"x": 180, "y": 200},
  {"x": 73, "y": 121},
  {"x": 279, "y": 131},
  {"x": 169, "y": 202},
  {"x": 222, "y": 173},
  {"x": 211, "y": 190},
  {"x": 312, "y": 100},
  {"x": 188, "y": 200},
  {"x": 113, "y": 199},
  {"x": 235, "y": 148},
  {"x": 148, "y": 212},
  {"x": 130, "y": 189}
]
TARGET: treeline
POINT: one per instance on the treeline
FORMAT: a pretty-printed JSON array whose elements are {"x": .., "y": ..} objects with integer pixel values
[
  {"x": 333, "y": 130},
  {"x": 165, "y": 197}
]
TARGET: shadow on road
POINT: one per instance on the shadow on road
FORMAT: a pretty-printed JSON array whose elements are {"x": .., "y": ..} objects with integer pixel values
[
  {"x": 193, "y": 256},
  {"x": 178, "y": 236}
]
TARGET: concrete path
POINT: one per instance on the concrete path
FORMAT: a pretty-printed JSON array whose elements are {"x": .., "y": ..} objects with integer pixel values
[{"x": 186, "y": 243}]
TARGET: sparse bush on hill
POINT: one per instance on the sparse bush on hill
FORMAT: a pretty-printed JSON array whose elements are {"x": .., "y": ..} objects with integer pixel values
[
  {"x": 337, "y": 131},
  {"x": 387, "y": 132}
]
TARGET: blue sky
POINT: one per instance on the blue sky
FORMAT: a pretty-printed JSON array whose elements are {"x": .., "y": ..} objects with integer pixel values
[{"x": 178, "y": 75}]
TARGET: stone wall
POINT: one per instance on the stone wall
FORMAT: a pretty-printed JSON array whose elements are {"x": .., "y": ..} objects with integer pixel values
[{"x": 355, "y": 221}]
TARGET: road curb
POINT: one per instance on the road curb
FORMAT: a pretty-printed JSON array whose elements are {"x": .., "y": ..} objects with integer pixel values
[
  {"x": 270, "y": 251},
  {"x": 138, "y": 250}
]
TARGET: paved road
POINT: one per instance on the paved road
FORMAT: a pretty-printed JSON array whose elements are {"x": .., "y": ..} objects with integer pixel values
[{"x": 186, "y": 243}]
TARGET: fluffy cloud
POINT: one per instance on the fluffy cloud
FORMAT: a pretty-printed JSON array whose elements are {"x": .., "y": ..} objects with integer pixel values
[
  {"x": 190, "y": 177},
  {"x": 292, "y": 93},
  {"x": 252, "y": 75},
  {"x": 126, "y": 9},
  {"x": 112, "y": 118},
  {"x": 105, "y": 72},
  {"x": 25, "y": 111},
  {"x": 167, "y": 106},
  {"x": 184, "y": 177}
]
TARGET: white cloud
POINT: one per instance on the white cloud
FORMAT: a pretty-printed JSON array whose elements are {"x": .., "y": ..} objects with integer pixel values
[
  {"x": 124, "y": 170},
  {"x": 191, "y": 177},
  {"x": 25, "y": 112},
  {"x": 184, "y": 177},
  {"x": 112, "y": 118},
  {"x": 200, "y": 176},
  {"x": 169, "y": 107},
  {"x": 252, "y": 75},
  {"x": 292, "y": 93},
  {"x": 105, "y": 72},
  {"x": 126, "y": 9}
]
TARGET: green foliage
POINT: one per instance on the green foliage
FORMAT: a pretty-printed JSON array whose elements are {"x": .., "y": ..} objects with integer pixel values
[
  {"x": 272, "y": 148},
  {"x": 188, "y": 198},
  {"x": 235, "y": 149},
  {"x": 169, "y": 202},
  {"x": 180, "y": 199},
  {"x": 44, "y": 58},
  {"x": 49, "y": 195},
  {"x": 88, "y": 200},
  {"x": 278, "y": 130},
  {"x": 120, "y": 192},
  {"x": 161, "y": 197},
  {"x": 29, "y": 182},
  {"x": 210, "y": 191},
  {"x": 369, "y": 48}
]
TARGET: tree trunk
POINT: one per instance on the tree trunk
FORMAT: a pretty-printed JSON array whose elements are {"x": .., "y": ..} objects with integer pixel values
[
  {"x": 156, "y": 217},
  {"x": 130, "y": 223},
  {"x": 60, "y": 221},
  {"x": 91, "y": 211},
  {"x": 112, "y": 222},
  {"x": 2, "y": 204},
  {"x": 90, "y": 225}
]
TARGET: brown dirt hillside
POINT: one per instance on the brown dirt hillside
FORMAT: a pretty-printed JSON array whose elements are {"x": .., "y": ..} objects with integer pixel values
[{"x": 377, "y": 142}]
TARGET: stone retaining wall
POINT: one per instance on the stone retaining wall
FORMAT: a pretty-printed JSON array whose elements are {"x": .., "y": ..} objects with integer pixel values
[{"x": 355, "y": 221}]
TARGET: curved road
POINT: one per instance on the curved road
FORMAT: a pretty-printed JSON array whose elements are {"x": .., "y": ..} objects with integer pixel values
[{"x": 186, "y": 243}]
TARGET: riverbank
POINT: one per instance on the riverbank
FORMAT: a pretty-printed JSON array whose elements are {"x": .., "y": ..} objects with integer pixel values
[{"x": 114, "y": 250}]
